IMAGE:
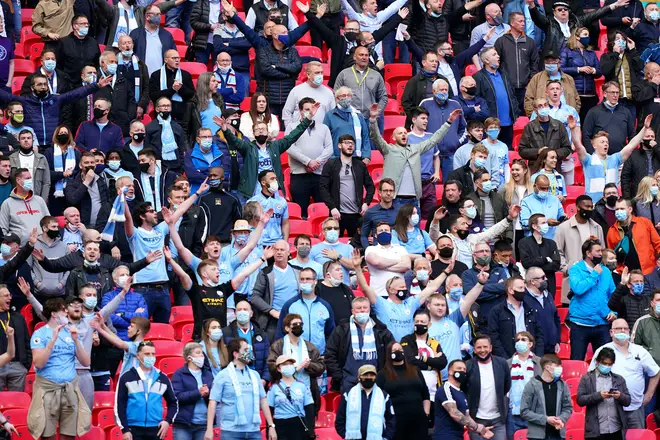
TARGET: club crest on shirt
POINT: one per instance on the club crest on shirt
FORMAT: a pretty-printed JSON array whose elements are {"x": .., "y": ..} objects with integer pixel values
[
  {"x": 218, "y": 202},
  {"x": 259, "y": 338}
]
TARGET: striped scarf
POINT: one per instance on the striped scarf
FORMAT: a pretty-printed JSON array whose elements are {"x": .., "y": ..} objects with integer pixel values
[
  {"x": 116, "y": 215},
  {"x": 226, "y": 80},
  {"x": 368, "y": 351},
  {"x": 136, "y": 72},
  {"x": 521, "y": 373}
]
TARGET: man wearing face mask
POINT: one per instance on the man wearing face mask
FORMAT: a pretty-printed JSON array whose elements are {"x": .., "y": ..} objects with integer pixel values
[
  {"x": 135, "y": 72},
  {"x": 230, "y": 85},
  {"x": 634, "y": 239},
  {"x": 35, "y": 162},
  {"x": 541, "y": 299},
  {"x": 495, "y": 21},
  {"x": 540, "y": 251},
  {"x": 542, "y": 202},
  {"x": 153, "y": 181},
  {"x": 475, "y": 108},
  {"x": 637, "y": 366},
  {"x": 544, "y": 132},
  {"x": 629, "y": 300},
  {"x": 303, "y": 245},
  {"x": 13, "y": 214},
  {"x": 644, "y": 161},
  {"x": 204, "y": 155},
  {"x": 321, "y": 322},
  {"x": 521, "y": 317},
  {"x": 47, "y": 284},
  {"x": 121, "y": 92},
  {"x": 91, "y": 272},
  {"x": 88, "y": 192},
  {"x": 524, "y": 364},
  {"x": 604, "y": 208},
  {"x": 312, "y": 88},
  {"x": 100, "y": 133},
  {"x": 538, "y": 83},
  {"x": 269, "y": 198},
  {"x": 152, "y": 43},
  {"x": 345, "y": 120},
  {"x": 72, "y": 233},
  {"x": 58, "y": 81},
  {"x": 132, "y": 306},
  {"x": 646, "y": 332},
  {"x": 15, "y": 126},
  {"x": 78, "y": 48},
  {"x": 335, "y": 292},
  {"x": 356, "y": 421},
  {"x": 490, "y": 206},
  {"x": 130, "y": 150},
  {"x": 384, "y": 259}
]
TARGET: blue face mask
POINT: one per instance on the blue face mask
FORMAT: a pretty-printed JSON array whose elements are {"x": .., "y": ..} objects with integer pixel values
[
  {"x": 27, "y": 184},
  {"x": 542, "y": 195},
  {"x": 493, "y": 133},
  {"x": 90, "y": 302},
  {"x": 522, "y": 346},
  {"x": 552, "y": 69},
  {"x": 243, "y": 317},
  {"x": 414, "y": 219},
  {"x": 361, "y": 318},
  {"x": 623, "y": 337},
  {"x": 657, "y": 309},
  {"x": 384, "y": 238},
  {"x": 556, "y": 373},
  {"x": 456, "y": 293},
  {"x": 288, "y": 370},
  {"x": 654, "y": 191},
  {"x": 331, "y": 236},
  {"x": 50, "y": 65},
  {"x": 543, "y": 229},
  {"x": 318, "y": 79},
  {"x": 621, "y": 44},
  {"x": 604, "y": 369},
  {"x": 637, "y": 288},
  {"x": 585, "y": 41},
  {"x": 306, "y": 288},
  {"x": 127, "y": 53},
  {"x": 544, "y": 112},
  {"x": 423, "y": 275},
  {"x": 471, "y": 212},
  {"x": 111, "y": 68},
  {"x": 621, "y": 214},
  {"x": 5, "y": 249},
  {"x": 214, "y": 183},
  {"x": 206, "y": 144},
  {"x": 654, "y": 15},
  {"x": 486, "y": 186},
  {"x": 284, "y": 39},
  {"x": 442, "y": 97},
  {"x": 479, "y": 162},
  {"x": 83, "y": 31},
  {"x": 149, "y": 361},
  {"x": 242, "y": 239}
]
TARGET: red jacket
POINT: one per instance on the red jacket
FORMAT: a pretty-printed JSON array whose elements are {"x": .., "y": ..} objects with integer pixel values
[{"x": 645, "y": 239}]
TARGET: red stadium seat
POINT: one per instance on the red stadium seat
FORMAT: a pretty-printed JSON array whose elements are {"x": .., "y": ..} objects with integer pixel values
[
  {"x": 315, "y": 210},
  {"x": 287, "y": 182},
  {"x": 300, "y": 227},
  {"x": 640, "y": 434},
  {"x": 102, "y": 400},
  {"x": 245, "y": 105},
  {"x": 169, "y": 365},
  {"x": 309, "y": 51},
  {"x": 391, "y": 123},
  {"x": 94, "y": 433},
  {"x": 17, "y": 416},
  {"x": 193, "y": 68},
  {"x": 38, "y": 325},
  {"x": 563, "y": 313},
  {"x": 26, "y": 313},
  {"x": 520, "y": 434},
  {"x": 576, "y": 421},
  {"x": 181, "y": 312},
  {"x": 28, "y": 34},
  {"x": 168, "y": 348},
  {"x": 564, "y": 351},
  {"x": 516, "y": 141},
  {"x": 186, "y": 333},
  {"x": 182, "y": 49},
  {"x": 573, "y": 368},
  {"x": 393, "y": 108},
  {"x": 327, "y": 434},
  {"x": 29, "y": 382},
  {"x": 575, "y": 434},
  {"x": 295, "y": 212},
  {"x": 470, "y": 70},
  {"x": 24, "y": 433},
  {"x": 400, "y": 88},
  {"x": 115, "y": 434},
  {"x": 33, "y": 50},
  {"x": 26, "y": 17},
  {"x": 14, "y": 399},
  {"x": 325, "y": 419},
  {"x": 23, "y": 67},
  {"x": 520, "y": 124},
  {"x": 570, "y": 210},
  {"x": 650, "y": 422},
  {"x": 106, "y": 419},
  {"x": 396, "y": 72},
  {"x": 376, "y": 175},
  {"x": 160, "y": 331},
  {"x": 439, "y": 190},
  {"x": 178, "y": 35},
  {"x": 377, "y": 160}
]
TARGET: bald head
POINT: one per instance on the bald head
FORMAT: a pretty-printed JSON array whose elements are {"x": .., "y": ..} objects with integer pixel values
[
  {"x": 651, "y": 69},
  {"x": 278, "y": 30},
  {"x": 172, "y": 59},
  {"x": 91, "y": 235},
  {"x": 281, "y": 248}
]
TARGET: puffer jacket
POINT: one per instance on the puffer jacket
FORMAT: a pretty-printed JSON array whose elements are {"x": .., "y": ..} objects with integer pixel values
[
  {"x": 428, "y": 29},
  {"x": 199, "y": 21},
  {"x": 197, "y": 168},
  {"x": 646, "y": 333},
  {"x": 277, "y": 71},
  {"x": 43, "y": 115},
  {"x": 121, "y": 318},
  {"x": 571, "y": 59},
  {"x": 629, "y": 307},
  {"x": 78, "y": 278}
]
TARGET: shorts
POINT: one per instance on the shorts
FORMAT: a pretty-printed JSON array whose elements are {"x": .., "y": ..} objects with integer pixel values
[{"x": 60, "y": 412}]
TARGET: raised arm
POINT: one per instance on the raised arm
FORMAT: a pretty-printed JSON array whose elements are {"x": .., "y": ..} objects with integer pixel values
[
  {"x": 362, "y": 281},
  {"x": 245, "y": 273},
  {"x": 184, "y": 253},
  {"x": 635, "y": 141},
  {"x": 98, "y": 324},
  {"x": 8, "y": 355},
  {"x": 186, "y": 282},
  {"x": 576, "y": 134}
]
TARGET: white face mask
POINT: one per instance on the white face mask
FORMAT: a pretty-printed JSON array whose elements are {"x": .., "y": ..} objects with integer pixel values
[
  {"x": 61, "y": 320},
  {"x": 198, "y": 361},
  {"x": 273, "y": 187}
]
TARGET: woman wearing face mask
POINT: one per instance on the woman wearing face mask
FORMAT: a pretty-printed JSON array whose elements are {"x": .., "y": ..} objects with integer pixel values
[
  {"x": 113, "y": 170},
  {"x": 63, "y": 160},
  {"x": 259, "y": 112},
  {"x": 468, "y": 209},
  {"x": 621, "y": 63},
  {"x": 192, "y": 384},
  {"x": 309, "y": 363},
  {"x": 602, "y": 391},
  {"x": 201, "y": 109},
  {"x": 546, "y": 164},
  {"x": 516, "y": 189},
  {"x": 213, "y": 346},
  {"x": 647, "y": 201},
  {"x": 291, "y": 402},
  {"x": 497, "y": 148},
  {"x": 405, "y": 385},
  {"x": 407, "y": 233},
  {"x": 580, "y": 62}
]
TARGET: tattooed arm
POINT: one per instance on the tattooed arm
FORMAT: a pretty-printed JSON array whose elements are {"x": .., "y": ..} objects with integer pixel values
[{"x": 466, "y": 420}]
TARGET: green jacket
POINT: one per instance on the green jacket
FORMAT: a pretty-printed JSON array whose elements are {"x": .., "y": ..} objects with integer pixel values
[
  {"x": 250, "y": 153},
  {"x": 646, "y": 333}
]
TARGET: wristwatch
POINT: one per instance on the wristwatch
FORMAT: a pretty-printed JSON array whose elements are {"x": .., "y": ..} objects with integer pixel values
[{"x": 271, "y": 425}]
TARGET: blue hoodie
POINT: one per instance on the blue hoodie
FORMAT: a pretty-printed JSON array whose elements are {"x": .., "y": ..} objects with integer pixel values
[
  {"x": 591, "y": 292},
  {"x": 196, "y": 166}
]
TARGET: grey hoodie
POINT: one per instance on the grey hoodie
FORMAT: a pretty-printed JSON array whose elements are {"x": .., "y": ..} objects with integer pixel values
[
  {"x": 20, "y": 215},
  {"x": 48, "y": 283}
]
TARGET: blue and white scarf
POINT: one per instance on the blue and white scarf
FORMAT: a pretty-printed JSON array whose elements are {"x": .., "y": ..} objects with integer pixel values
[
  {"x": 376, "y": 421},
  {"x": 136, "y": 73},
  {"x": 124, "y": 27},
  {"x": 167, "y": 138},
  {"x": 60, "y": 166},
  {"x": 240, "y": 411},
  {"x": 226, "y": 80},
  {"x": 357, "y": 128},
  {"x": 299, "y": 353},
  {"x": 163, "y": 82},
  {"x": 368, "y": 351},
  {"x": 116, "y": 215},
  {"x": 149, "y": 191}
]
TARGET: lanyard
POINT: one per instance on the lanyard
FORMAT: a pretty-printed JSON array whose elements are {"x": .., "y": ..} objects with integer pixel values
[
  {"x": 359, "y": 83},
  {"x": 4, "y": 326}
]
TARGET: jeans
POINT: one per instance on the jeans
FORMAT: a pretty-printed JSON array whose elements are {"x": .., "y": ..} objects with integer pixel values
[
  {"x": 12, "y": 377},
  {"x": 582, "y": 336},
  {"x": 446, "y": 167},
  {"x": 399, "y": 202},
  {"x": 498, "y": 429},
  {"x": 520, "y": 97},
  {"x": 101, "y": 383},
  {"x": 158, "y": 302},
  {"x": 349, "y": 223},
  {"x": 17, "y": 19},
  {"x": 228, "y": 435},
  {"x": 202, "y": 56},
  {"x": 140, "y": 433},
  {"x": 514, "y": 423},
  {"x": 389, "y": 50},
  {"x": 179, "y": 17},
  {"x": 304, "y": 186},
  {"x": 192, "y": 432}
]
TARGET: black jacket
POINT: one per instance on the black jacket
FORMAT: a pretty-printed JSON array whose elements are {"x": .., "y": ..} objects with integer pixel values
[
  {"x": 502, "y": 375},
  {"x": 635, "y": 168},
  {"x": 629, "y": 307},
  {"x": 409, "y": 344},
  {"x": 500, "y": 208},
  {"x": 128, "y": 160},
  {"x": 77, "y": 194},
  {"x": 167, "y": 178},
  {"x": 21, "y": 339},
  {"x": 486, "y": 90},
  {"x": 259, "y": 343},
  {"x": 599, "y": 216},
  {"x": 502, "y": 330},
  {"x": 608, "y": 67},
  {"x": 261, "y": 14},
  {"x": 533, "y": 254},
  {"x": 122, "y": 97},
  {"x": 427, "y": 29},
  {"x": 220, "y": 210},
  {"x": 192, "y": 118},
  {"x": 7, "y": 140},
  {"x": 199, "y": 21},
  {"x": 152, "y": 140},
  {"x": 192, "y": 229},
  {"x": 415, "y": 92},
  {"x": 619, "y": 124},
  {"x": 186, "y": 92},
  {"x": 534, "y": 138},
  {"x": 74, "y": 260},
  {"x": 463, "y": 175},
  {"x": 519, "y": 59},
  {"x": 645, "y": 93},
  {"x": 74, "y": 53},
  {"x": 339, "y": 347},
  {"x": 277, "y": 72},
  {"x": 78, "y": 278},
  {"x": 330, "y": 182},
  {"x": 64, "y": 83}
]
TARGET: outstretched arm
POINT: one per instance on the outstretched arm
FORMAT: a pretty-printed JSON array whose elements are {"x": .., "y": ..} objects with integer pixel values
[
  {"x": 186, "y": 282},
  {"x": 576, "y": 134},
  {"x": 175, "y": 238},
  {"x": 255, "y": 236},
  {"x": 242, "y": 275},
  {"x": 98, "y": 324},
  {"x": 474, "y": 293},
  {"x": 362, "y": 281},
  {"x": 634, "y": 142}
]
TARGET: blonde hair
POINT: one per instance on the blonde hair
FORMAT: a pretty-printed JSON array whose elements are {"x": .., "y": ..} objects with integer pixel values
[
  {"x": 575, "y": 36},
  {"x": 644, "y": 191},
  {"x": 510, "y": 186}
]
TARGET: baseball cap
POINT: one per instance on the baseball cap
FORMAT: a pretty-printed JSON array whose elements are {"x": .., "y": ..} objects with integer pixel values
[
  {"x": 364, "y": 369},
  {"x": 282, "y": 359},
  {"x": 11, "y": 238}
]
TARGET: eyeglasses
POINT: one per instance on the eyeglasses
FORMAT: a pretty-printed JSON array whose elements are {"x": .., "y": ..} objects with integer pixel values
[
  {"x": 151, "y": 211},
  {"x": 348, "y": 170},
  {"x": 540, "y": 278}
]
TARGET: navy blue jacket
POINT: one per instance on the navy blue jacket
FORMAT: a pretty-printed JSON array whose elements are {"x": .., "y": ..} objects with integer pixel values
[
  {"x": 260, "y": 346},
  {"x": 502, "y": 330},
  {"x": 258, "y": 41},
  {"x": 493, "y": 293},
  {"x": 140, "y": 41},
  {"x": 548, "y": 319},
  {"x": 90, "y": 137},
  {"x": 571, "y": 59},
  {"x": 502, "y": 376},
  {"x": 652, "y": 281},
  {"x": 468, "y": 108},
  {"x": 644, "y": 34},
  {"x": 238, "y": 49},
  {"x": 187, "y": 393}
]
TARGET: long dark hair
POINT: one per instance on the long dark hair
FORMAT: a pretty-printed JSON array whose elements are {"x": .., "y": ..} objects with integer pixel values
[
  {"x": 611, "y": 38},
  {"x": 390, "y": 374},
  {"x": 402, "y": 221},
  {"x": 539, "y": 163},
  {"x": 254, "y": 114}
]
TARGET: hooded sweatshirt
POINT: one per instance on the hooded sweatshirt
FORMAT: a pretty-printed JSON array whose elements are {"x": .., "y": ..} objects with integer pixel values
[
  {"x": 48, "y": 283},
  {"x": 20, "y": 216}
]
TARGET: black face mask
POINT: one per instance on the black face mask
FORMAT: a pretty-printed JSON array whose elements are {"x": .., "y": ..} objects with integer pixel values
[
  {"x": 449, "y": 58},
  {"x": 368, "y": 383},
  {"x": 611, "y": 201},
  {"x": 472, "y": 91},
  {"x": 52, "y": 234},
  {"x": 297, "y": 330},
  {"x": 462, "y": 234},
  {"x": 586, "y": 213},
  {"x": 350, "y": 36},
  {"x": 518, "y": 295},
  {"x": 42, "y": 94},
  {"x": 543, "y": 286},
  {"x": 460, "y": 376},
  {"x": 261, "y": 139},
  {"x": 402, "y": 294},
  {"x": 164, "y": 115},
  {"x": 25, "y": 150},
  {"x": 144, "y": 167},
  {"x": 646, "y": 143},
  {"x": 235, "y": 123},
  {"x": 62, "y": 139},
  {"x": 597, "y": 260},
  {"x": 276, "y": 20},
  {"x": 485, "y": 358},
  {"x": 421, "y": 329},
  {"x": 446, "y": 252},
  {"x": 397, "y": 356},
  {"x": 139, "y": 137},
  {"x": 134, "y": 337},
  {"x": 98, "y": 113}
]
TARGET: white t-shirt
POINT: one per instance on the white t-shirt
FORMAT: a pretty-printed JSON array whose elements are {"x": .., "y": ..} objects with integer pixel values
[
  {"x": 379, "y": 277},
  {"x": 430, "y": 376},
  {"x": 488, "y": 398}
]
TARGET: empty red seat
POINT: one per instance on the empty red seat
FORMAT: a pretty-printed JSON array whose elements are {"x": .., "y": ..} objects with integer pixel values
[
  {"x": 169, "y": 365},
  {"x": 325, "y": 419},
  {"x": 315, "y": 210},
  {"x": 14, "y": 399},
  {"x": 16, "y": 416},
  {"x": 576, "y": 421},
  {"x": 178, "y": 35},
  {"x": 94, "y": 433},
  {"x": 106, "y": 419},
  {"x": 186, "y": 333},
  {"x": 573, "y": 368},
  {"x": 160, "y": 331},
  {"x": 397, "y": 72},
  {"x": 650, "y": 422},
  {"x": 168, "y": 348},
  {"x": 640, "y": 434},
  {"x": 193, "y": 68},
  {"x": 300, "y": 227},
  {"x": 520, "y": 434},
  {"x": 295, "y": 211},
  {"x": 309, "y": 51}
]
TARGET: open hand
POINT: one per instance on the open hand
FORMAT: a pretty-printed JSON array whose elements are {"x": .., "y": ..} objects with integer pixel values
[
  {"x": 314, "y": 109},
  {"x": 24, "y": 286},
  {"x": 266, "y": 216},
  {"x": 33, "y": 237},
  {"x": 572, "y": 123},
  {"x": 153, "y": 256},
  {"x": 454, "y": 115},
  {"x": 220, "y": 122},
  {"x": 356, "y": 260},
  {"x": 403, "y": 13},
  {"x": 304, "y": 8},
  {"x": 514, "y": 211},
  {"x": 163, "y": 427},
  {"x": 321, "y": 10},
  {"x": 269, "y": 251},
  {"x": 625, "y": 276},
  {"x": 647, "y": 121},
  {"x": 105, "y": 81}
]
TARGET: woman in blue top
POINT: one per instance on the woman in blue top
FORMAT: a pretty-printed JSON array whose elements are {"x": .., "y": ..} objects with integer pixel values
[
  {"x": 407, "y": 233},
  {"x": 192, "y": 384},
  {"x": 290, "y": 402},
  {"x": 213, "y": 346},
  {"x": 546, "y": 165},
  {"x": 579, "y": 61}
]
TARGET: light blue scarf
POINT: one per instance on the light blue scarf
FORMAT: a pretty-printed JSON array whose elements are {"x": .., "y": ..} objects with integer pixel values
[
  {"x": 116, "y": 215},
  {"x": 368, "y": 351},
  {"x": 61, "y": 166},
  {"x": 240, "y": 411},
  {"x": 167, "y": 138},
  {"x": 376, "y": 421},
  {"x": 299, "y": 353},
  {"x": 148, "y": 190}
]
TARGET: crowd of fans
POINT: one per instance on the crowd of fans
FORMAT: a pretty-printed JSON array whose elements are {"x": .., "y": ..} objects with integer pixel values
[{"x": 238, "y": 229}]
